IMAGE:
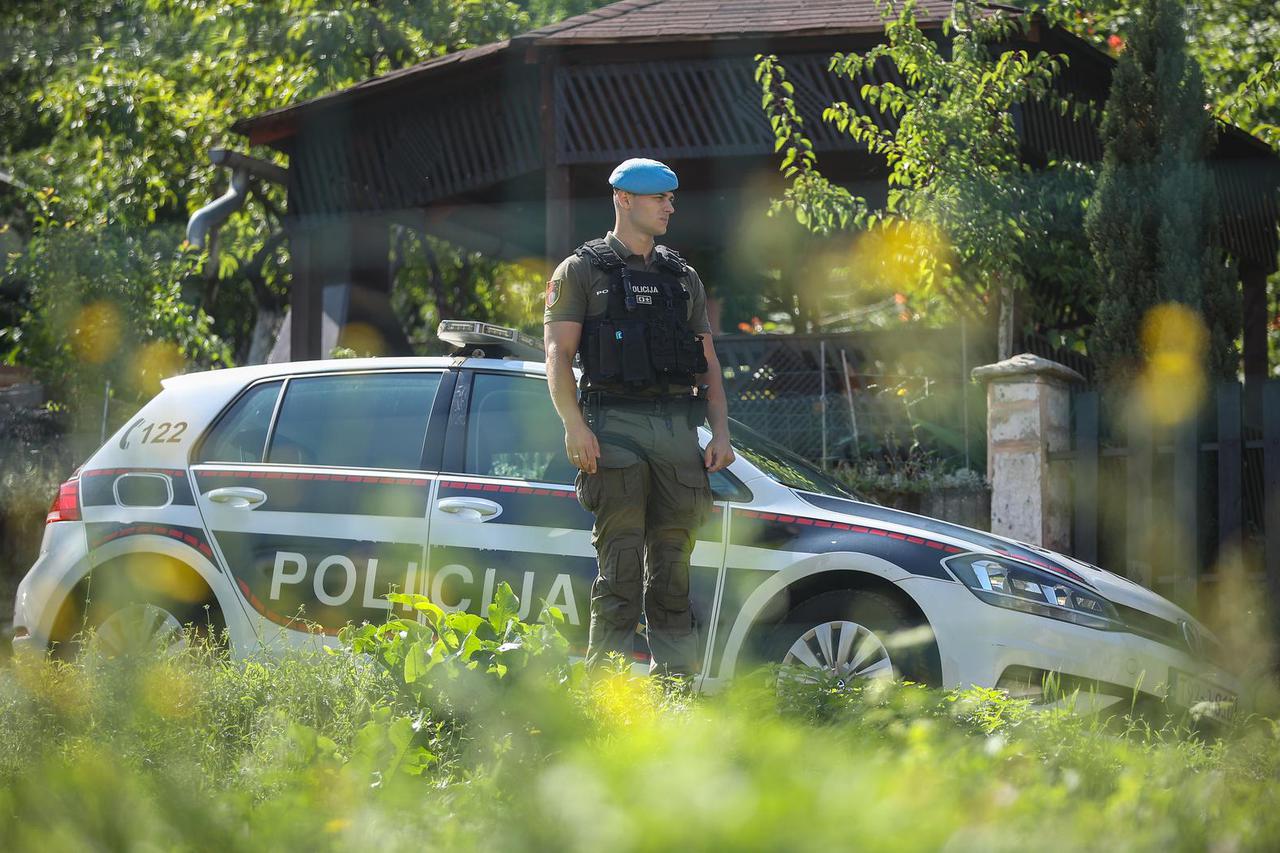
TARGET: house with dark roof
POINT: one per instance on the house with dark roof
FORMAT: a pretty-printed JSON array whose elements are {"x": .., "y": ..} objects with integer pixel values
[{"x": 506, "y": 148}]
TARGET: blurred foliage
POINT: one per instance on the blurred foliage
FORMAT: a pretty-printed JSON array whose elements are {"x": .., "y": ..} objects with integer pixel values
[
  {"x": 110, "y": 108},
  {"x": 193, "y": 750},
  {"x": 106, "y": 304},
  {"x": 964, "y": 218},
  {"x": 959, "y": 217},
  {"x": 1237, "y": 46},
  {"x": 35, "y": 458},
  {"x": 917, "y": 471},
  {"x": 1153, "y": 217},
  {"x": 436, "y": 281},
  {"x": 1236, "y": 43}
]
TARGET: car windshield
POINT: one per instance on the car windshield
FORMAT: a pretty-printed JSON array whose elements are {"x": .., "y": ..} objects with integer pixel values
[{"x": 787, "y": 468}]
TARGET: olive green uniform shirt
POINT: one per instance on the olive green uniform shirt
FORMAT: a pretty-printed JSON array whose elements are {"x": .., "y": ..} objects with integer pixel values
[{"x": 578, "y": 288}]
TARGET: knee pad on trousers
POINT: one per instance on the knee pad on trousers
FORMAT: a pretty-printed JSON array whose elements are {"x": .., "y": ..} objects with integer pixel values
[
  {"x": 617, "y": 595},
  {"x": 667, "y": 594}
]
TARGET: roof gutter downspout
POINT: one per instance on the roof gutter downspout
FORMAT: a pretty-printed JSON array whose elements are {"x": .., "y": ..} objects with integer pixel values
[{"x": 203, "y": 225}]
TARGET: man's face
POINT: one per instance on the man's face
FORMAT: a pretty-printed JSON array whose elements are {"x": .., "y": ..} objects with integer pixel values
[{"x": 649, "y": 213}]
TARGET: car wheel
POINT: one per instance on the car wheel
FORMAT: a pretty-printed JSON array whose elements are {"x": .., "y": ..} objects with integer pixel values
[
  {"x": 146, "y": 605},
  {"x": 854, "y": 636},
  {"x": 141, "y": 628}
]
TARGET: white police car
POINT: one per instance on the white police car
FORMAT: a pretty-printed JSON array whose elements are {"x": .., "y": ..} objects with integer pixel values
[{"x": 263, "y": 498}]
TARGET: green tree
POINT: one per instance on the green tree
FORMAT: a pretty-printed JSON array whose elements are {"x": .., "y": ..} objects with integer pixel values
[
  {"x": 436, "y": 281},
  {"x": 1235, "y": 42},
  {"x": 1152, "y": 219},
  {"x": 956, "y": 218},
  {"x": 110, "y": 108}
]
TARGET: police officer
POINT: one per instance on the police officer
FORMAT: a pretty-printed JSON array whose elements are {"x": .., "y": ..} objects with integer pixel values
[{"x": 637, "y": 313}]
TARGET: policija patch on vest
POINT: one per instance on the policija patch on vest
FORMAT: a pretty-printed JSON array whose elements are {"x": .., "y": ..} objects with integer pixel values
[{"x": 553, "y": 292}]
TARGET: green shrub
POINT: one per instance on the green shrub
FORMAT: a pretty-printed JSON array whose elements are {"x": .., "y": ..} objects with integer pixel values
[
  {"x": 34, "y": 459},
  {"x": 911, "y": 477},
  {"x": 479, "y": 747}
]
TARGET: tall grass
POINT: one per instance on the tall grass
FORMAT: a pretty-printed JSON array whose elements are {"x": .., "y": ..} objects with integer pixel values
[
  {"x": 193, "y": 750},
  {"x": 35, "y": 457}
]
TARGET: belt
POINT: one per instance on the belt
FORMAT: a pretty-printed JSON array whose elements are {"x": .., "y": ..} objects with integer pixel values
[{"x": 659, "y": 405}]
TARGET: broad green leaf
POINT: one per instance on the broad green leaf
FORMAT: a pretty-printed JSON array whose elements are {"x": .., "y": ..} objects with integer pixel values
[
  {"x": 417, "y": 661},
  {"x": 505, "y": 606}
]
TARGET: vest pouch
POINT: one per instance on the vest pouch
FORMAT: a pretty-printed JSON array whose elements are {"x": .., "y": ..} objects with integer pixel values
[
  {"x": 609, "y": 354},
  {"x": 636, "y": 366},
  {"x": 689, "y": 352},
  {"x": 662, "y": 347}
]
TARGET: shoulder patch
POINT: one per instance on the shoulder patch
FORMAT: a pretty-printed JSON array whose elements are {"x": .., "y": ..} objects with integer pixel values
[{"x": 553, "y": 292}]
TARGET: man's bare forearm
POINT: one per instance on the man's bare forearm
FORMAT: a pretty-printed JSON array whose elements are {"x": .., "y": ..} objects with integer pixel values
[
  {"x": 560, "y": 339},
  {"x": 717, "y": 412},
  {"x": 717, "y": 405},
  {"x": 564, "y": 394}
]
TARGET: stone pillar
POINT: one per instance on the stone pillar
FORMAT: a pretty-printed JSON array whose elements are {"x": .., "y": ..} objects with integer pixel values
[{"x": 1028, "y": 417}]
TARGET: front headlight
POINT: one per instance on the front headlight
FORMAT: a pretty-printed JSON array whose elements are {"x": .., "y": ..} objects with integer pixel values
[{"x": 1015, "y": 586}]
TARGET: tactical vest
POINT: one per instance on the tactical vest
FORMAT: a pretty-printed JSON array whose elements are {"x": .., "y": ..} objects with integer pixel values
[{"x": 642, "y": 341}]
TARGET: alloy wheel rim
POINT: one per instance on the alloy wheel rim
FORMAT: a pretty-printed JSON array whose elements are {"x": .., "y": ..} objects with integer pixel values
[
  {"x": 139, "y": 628},
  {"x": 843, "y": 649}
]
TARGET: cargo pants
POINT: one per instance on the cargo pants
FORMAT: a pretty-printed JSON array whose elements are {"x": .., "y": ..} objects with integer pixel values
[{"x": 649, "y": 495}]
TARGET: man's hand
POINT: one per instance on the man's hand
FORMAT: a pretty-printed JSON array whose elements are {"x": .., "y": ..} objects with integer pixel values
[
  {"x": 582, "y": 446},
  {"x": 718, "y": 454}
]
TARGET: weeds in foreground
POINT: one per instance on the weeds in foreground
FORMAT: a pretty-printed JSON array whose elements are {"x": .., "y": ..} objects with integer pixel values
[{"x": 490, "y": 739}]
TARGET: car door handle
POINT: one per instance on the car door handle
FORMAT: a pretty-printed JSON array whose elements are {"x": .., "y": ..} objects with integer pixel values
[
  {"x": 470, "y": 509},
  {"x": 237, "y": 497}
]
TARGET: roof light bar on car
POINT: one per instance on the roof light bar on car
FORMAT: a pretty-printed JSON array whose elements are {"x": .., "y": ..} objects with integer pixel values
[{"x": 493, "y": 340}]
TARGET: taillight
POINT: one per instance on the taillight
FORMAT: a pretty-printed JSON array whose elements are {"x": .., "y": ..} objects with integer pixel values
[{"x": 66, "y": 506}]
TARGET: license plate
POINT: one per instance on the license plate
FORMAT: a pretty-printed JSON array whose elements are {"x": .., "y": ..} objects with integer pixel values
[{"x": 1201, "y": 697}]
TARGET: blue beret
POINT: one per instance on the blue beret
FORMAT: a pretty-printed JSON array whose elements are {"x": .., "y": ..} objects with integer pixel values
[{"x": 643, "y": 177}]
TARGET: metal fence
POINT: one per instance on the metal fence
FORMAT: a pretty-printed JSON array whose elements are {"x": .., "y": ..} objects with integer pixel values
[
  {"x": 842, "y": 398},
  {"x": 1168, "y": 508}
]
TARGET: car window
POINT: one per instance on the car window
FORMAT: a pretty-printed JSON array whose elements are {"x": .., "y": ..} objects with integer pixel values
[
  {"x": 513, "y": 431},
  {"x": 362, "y": 420},
  {"x": 726, "y": 487},
  {"x": 240, "y": 435},
  {"x": 782, "y": 465}
]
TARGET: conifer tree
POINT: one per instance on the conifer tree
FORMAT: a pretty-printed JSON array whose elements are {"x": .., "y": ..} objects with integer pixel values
[{"x": 1152, "y": 220}]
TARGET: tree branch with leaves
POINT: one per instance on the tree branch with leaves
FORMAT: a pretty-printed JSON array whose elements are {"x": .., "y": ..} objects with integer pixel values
[{"x": 954, "y": 213}]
